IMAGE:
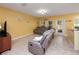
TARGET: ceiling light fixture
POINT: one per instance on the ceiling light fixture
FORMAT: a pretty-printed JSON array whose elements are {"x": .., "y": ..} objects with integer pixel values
[{"x": 42, "y": 11}]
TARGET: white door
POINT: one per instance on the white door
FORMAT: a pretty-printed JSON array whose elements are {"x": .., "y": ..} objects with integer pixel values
[
  {"x": 60, "y": 26},
  {"x": 76, "y": 34}
]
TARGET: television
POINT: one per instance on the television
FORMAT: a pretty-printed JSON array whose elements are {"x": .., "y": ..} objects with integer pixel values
[{"x": 3, "y": 29}]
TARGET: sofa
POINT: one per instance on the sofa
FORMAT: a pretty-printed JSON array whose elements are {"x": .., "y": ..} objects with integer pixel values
[
  {"x": 39, "y": 45},
  {"x": 39, "y": 30}
]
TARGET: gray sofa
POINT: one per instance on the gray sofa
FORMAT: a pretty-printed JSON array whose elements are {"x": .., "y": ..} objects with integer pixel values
[
  {"x": 39, "y": 45},
  {"x": 39, "y": 30}
]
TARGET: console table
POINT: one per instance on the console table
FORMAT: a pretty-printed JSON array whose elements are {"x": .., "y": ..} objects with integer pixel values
[{"x": 5, "y": 43}]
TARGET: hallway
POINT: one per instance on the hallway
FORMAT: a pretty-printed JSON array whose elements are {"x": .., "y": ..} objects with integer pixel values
[{"x": 60, "y": 46}]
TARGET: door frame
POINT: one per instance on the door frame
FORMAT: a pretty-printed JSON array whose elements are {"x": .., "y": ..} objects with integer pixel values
[{"x": 63, "y": 25}]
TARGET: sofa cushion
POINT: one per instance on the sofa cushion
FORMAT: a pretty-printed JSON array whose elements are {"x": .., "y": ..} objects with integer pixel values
[
  {"x": 38, "y": 38},
  {"x": 43, "y": 38}
]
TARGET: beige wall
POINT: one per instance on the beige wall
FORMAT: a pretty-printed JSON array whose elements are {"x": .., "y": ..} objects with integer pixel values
[
  {"x": 18, "y": 24},
  {"x": 23, "y": 24},
  {"x": 68, "y": 20}
]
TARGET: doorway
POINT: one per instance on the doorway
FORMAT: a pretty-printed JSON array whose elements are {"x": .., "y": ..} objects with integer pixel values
[{"x": 60, "y": 27}]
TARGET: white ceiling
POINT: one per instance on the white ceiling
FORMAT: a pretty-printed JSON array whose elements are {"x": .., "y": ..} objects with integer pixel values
[{"x": 52, "y": 8}]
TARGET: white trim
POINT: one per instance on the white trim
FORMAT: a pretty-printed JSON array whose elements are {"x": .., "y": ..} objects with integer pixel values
[{"x": 21, "y": 36}]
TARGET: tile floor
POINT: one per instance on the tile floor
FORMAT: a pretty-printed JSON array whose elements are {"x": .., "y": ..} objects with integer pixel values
[{"x": 58, "y": 46}]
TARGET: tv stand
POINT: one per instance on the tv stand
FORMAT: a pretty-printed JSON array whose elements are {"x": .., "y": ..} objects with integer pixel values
[{"x": 5, "y": 43}]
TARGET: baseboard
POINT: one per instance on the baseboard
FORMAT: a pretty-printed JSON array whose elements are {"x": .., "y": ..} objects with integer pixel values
[
  {"x": 76, "y": 48},
  {"x": 21, "y": 36}
]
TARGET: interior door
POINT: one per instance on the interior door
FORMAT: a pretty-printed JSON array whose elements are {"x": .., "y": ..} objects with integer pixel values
[
  {"x": 76, "y": 34},
  {"x": 60, "y": 26}
]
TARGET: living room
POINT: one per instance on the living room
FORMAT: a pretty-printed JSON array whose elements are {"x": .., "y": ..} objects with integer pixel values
[{"x": 25, "y": 21}]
